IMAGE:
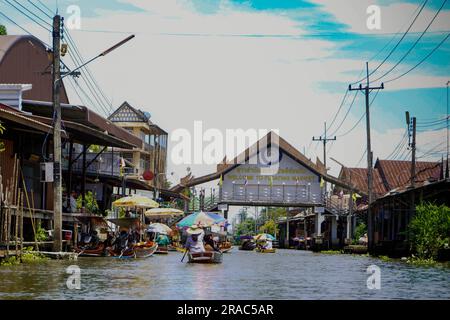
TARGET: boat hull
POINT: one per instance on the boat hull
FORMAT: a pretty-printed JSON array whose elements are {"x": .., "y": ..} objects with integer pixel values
[
  {"x": 162, "y": 250},
  {"x": 265, "y": 250},
  {"x": 209, "y": 257}
]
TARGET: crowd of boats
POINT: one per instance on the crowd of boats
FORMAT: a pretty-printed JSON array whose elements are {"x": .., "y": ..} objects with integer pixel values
[{"x": 140, "y": 233}]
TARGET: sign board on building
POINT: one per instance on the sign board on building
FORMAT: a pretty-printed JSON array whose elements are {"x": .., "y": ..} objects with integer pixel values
[
  {"x": 47, "y": 172},
  {"x": 291, "y": 182},
  {"x": 319, "y": 210}
]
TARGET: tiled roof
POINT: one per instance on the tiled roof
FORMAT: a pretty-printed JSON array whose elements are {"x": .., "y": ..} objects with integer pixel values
[
  {"x": 391, "y": 174},
  {"x": 396, "y": 174}
]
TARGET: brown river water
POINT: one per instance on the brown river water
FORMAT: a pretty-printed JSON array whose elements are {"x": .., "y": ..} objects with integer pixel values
[{"x": 286, "y": 274}]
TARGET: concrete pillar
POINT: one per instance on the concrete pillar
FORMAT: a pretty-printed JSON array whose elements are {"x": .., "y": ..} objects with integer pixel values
[
  {"x": 334, "y": 239},
  {"x": 318, "y": 219}
]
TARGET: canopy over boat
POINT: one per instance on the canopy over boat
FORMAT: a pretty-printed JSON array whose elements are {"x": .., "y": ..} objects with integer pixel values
[
  {"x": 136, "y": 201},
  {"x": 159, "y": 228},
  {"x": 264, "y": 236},
  {"x": 203, "y": 219},
  {"x": 158, "y": 213}
]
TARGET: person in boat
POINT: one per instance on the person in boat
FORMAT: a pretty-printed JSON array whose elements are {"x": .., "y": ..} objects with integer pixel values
[
  {"x": 267, "y": 245},
  {"x": 95, "y": 240},
  {"x": 162, "y": 240},
  {"x": 210, "y": 244},
  {"x": 194, "y": 242}
]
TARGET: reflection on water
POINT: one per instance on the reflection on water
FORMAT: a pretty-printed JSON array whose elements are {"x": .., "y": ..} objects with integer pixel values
[{"x": 287, "y": 274}]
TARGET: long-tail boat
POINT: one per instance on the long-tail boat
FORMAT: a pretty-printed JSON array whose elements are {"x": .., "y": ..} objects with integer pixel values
[{"x": 208, "y": 257}]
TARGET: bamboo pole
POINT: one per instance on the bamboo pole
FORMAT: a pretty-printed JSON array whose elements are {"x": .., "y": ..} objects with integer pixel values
[
  {"x": 16, "y": 223},
  {"x": 21, "y": 224},
  {"x": 33, "y": 220}
]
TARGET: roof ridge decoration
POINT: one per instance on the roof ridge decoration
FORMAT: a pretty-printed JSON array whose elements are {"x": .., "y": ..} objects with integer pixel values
[{"x": 125, "y": 112}]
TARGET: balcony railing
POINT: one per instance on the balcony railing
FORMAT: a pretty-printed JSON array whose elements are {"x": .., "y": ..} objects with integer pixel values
[
  {"x": 271, "y": 194},
  {"x": 105, "y": 164}
]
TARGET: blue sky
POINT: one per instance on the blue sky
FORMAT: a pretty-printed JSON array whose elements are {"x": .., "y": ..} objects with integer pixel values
[{"x": 308, "y": 50}]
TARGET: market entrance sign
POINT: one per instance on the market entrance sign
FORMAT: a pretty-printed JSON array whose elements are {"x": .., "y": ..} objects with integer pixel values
[{"x": 293, "y": 183}]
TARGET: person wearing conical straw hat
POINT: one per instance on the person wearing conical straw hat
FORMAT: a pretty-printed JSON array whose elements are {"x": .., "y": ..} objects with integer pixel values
[{"x": 194, "y": 242}]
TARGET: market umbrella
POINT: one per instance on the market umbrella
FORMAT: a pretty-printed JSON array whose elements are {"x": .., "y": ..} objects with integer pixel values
[
  {"x": 159, "y": 228},
  {"x": 202, "y": 219},
  {"x": 264, "y": 236},
  {"x": 158, "y": 213},
  {"x": 136, "y": 201}
]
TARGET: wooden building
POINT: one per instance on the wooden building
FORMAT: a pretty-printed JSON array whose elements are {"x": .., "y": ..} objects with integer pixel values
[{"x": 150, "y": 159}]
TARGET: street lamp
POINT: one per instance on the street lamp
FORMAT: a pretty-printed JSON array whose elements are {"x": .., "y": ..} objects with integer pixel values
[{"x": 57, "y": 81}]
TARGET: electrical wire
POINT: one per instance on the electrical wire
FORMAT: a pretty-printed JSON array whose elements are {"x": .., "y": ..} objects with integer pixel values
[
  {"x": 414, "y": 44},
  {"x": 420, "y": 62}
]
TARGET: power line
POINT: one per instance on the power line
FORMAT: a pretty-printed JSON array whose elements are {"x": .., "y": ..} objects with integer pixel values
[
  {"x": 360, "y": 119},
  {"x": 398, "y": 43},
  {"x": 39, "y": 8},
  {"x": 79, "y": 61},
  {"x": 32, "y": 13},
  {"x": 95, "y": 83},
  {"x": 420, "y": 62},
  {"x": 26, "y": 15},
  {"x": 399, "y": 146},
  {"x": 414, "y": 44},
  {"x": 346, "y": 115}
]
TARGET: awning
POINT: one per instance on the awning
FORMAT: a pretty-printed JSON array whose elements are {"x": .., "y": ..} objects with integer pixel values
[
  {"x": 81, "y": 115},
  {"x": 85, "y": 135}
]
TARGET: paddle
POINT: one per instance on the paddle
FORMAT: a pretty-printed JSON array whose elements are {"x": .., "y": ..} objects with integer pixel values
[{"x": 185, "y": 252}]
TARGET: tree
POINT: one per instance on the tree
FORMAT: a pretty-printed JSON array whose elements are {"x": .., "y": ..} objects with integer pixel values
[
  {"x": 3, "y": 31},
  {"x": 429, "y": 230},
  {"x": 270, "y": 227},
  {"x": 246, "y": 227}
]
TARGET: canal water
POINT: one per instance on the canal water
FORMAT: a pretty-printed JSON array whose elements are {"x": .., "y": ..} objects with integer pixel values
[{"x": 287, "y": 274}]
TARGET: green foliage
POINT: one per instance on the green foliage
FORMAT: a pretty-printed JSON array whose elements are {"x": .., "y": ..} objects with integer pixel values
[
  {"x": 95, "y": 148},
  {"x": 3, "y": 31},
  {"x": 10, "y": 261},
  {"x": 121, "y": 213},
  {"x": 421, "y": 261},
  {"x": 90, "y": 203},
  {"x": 270, "y": 227},
  {"x": 246, "y": 227},
  {"x": 360, "y": 231},
  {"x": 429, "y": 230},
  {"x": 332, "y": 252},
  {"x": 41, "y": 235}
]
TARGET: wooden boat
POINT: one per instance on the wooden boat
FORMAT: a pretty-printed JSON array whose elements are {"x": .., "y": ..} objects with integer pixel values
[
  {"x": 265, "y": 250},
  {"x": 138, "y": 251},
  {"x": 180, "y": 249},
  {"x": 225, "y": 250},
  {"x": 172, "y": 248},
  {"x": 162, "y": 250},
  {"x": 225, "y": 247},
  {"x": 99, "y": 251},
  {"x": 205, "y": 257}
]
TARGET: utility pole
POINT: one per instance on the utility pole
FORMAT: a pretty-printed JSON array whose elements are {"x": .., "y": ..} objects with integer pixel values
[
  {"x": 411, "y": 122},
  {"x": 324, "y": 140},
  {"x": 446, "y": 170},
  {"x": 367, "y": 90},
  {"x": 57, "y": 186}
]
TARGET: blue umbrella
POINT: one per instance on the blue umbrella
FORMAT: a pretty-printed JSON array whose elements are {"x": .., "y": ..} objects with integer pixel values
[{"x": 190, "y": 219}]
